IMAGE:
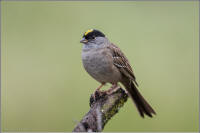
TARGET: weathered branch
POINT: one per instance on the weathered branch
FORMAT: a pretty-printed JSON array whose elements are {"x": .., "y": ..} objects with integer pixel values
[{"x": 103, "y": 107}]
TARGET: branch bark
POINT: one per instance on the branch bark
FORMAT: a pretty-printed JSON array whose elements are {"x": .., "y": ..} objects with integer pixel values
[{"x": 103, "y": 106}]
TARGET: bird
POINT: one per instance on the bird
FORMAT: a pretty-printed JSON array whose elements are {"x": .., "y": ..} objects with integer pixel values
[{"x": 106, "y": 63}]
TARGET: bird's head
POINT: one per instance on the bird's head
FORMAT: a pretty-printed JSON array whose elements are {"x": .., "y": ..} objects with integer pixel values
[{"x": 93, "y": 36}]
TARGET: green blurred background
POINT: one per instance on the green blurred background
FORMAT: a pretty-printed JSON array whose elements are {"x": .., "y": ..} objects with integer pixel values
[{"x": 45, "y": 87}]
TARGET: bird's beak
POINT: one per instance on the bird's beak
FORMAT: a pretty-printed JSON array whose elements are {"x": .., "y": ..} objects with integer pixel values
[{"x": 84, "y": 40}]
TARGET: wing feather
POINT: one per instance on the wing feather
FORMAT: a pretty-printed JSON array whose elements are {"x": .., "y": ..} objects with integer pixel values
[{"x": 121, "y": 62}]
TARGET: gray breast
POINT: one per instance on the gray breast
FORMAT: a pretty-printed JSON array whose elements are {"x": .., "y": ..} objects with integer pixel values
[{"x": 98, "y": 63}]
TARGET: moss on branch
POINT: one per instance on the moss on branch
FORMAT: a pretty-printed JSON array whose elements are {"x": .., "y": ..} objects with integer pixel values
[{"x": 103, "y": 107}]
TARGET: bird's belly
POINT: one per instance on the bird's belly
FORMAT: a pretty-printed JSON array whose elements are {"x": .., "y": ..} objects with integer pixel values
[{"x": 100, "y": 66}]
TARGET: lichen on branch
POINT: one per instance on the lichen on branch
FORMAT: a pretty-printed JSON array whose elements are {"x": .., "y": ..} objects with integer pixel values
[{"x": 103, "y": 107}]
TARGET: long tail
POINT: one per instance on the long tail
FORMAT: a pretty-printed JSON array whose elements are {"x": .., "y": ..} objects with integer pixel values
[{"x": 141, "y": 104}]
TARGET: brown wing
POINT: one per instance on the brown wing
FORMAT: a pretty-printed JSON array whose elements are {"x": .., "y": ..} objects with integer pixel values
[{"x": 121, "y": 62}]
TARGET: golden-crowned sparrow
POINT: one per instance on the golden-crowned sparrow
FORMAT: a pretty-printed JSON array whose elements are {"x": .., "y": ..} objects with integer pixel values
[{"x": 106, "y": 63}]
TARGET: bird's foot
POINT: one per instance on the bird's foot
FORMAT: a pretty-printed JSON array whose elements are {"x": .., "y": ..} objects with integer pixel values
[
  {"x": 113, "y": 88},
  {"x": 98, "y": 92},
  {"x": 98, "y": 88},
  {"x": 97, "y": 95}
]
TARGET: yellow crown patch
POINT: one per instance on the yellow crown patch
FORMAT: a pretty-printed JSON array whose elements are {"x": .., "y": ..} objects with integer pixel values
[{"x": 88, "y": 31}]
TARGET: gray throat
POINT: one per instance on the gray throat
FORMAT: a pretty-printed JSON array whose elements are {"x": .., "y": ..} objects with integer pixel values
[{"x": 101, "y": 43}]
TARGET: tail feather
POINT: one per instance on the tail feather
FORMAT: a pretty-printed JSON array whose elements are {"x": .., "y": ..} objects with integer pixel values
[{"x": 141, "y": 104}]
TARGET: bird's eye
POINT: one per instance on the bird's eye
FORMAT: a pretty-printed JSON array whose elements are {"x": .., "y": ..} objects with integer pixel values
[{"x": 93, "y": 37}]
